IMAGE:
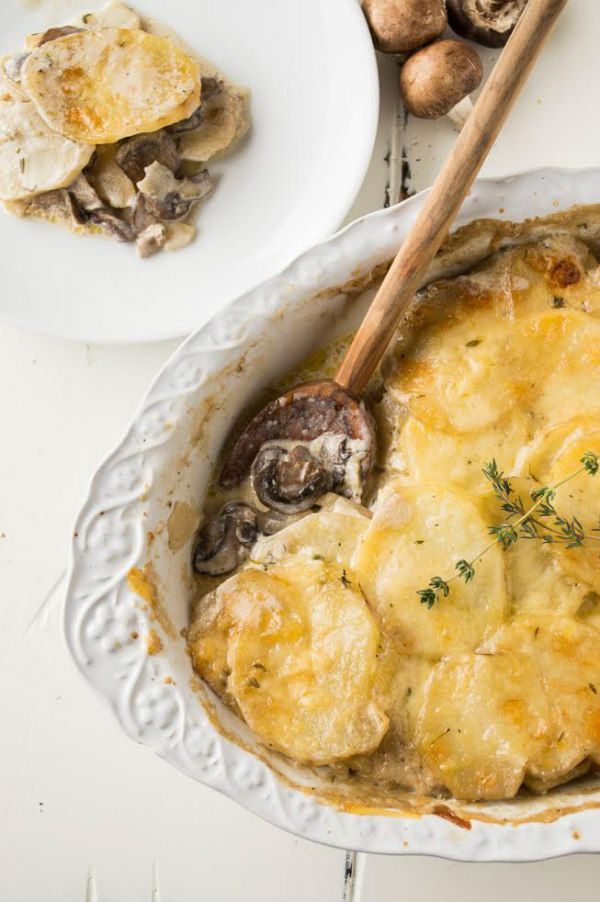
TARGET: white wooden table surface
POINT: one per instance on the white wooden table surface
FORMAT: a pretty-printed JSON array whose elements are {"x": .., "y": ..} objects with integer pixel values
[{"x": 84, "y": 813}]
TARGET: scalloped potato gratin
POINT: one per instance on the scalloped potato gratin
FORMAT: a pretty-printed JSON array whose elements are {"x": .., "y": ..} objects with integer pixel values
[
  {"x": 320, "y": 639},
  {"x": 106, "y": 124}
]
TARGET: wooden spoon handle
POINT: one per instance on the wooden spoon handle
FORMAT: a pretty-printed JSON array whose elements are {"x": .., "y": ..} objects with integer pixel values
[{"x": 447, "y": 194}]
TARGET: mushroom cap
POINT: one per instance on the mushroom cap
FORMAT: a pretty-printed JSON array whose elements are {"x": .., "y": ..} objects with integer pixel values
[
  {"x": 399, "y": 26},
  {"x": 289, "y": 481},
  {"x": 136, "y": 154},
  {"x": 435, "y": 79},
  {"x": 224, "y": 541},
  {"x": 488, "y": 22},
  {"x": 169, "y": 198}
]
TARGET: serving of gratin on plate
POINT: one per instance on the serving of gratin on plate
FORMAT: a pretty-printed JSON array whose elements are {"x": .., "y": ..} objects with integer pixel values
[
  {"x": 435, "y": 631},
  {"x": 106, "y": 124}
]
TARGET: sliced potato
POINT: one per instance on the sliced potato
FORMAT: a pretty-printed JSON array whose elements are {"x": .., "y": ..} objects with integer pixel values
[
  {"x": 317, "y": 643},
  {"x": 540, "y": 455},
  {"x": 524, "y": 707},
  {"x": 567, "y": 655},
  {"x": 97, "y": 87},
  {"x": 418, "y": 532},
  {"x": 33, "y": 158},
  {"x": 301, "y": 651},
  {"x": 569, "y": 366},
  {"x": 484, "y": 717},
  {"x": 554, "y": 458},
  {"x": 464, "y": 376},
  {"x": 213, "y": 618},
  {"x": 327, "y": 535},
  {"x": 535, "y": 581},
  {"x": 397, "y": 759},
  {"x": 475, "y": 373}
]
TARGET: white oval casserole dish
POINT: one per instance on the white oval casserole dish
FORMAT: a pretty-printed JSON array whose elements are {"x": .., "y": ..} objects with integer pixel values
[{"x": 167, "y": 456}]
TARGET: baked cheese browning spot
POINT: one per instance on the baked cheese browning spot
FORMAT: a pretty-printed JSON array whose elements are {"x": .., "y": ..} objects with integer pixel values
[
  {"x": 417, "y": 531},
  {"x": 97, "y": 87}
]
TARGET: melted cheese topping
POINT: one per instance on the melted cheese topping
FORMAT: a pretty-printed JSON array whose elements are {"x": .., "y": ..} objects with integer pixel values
[{"x": 498, "y": 684}]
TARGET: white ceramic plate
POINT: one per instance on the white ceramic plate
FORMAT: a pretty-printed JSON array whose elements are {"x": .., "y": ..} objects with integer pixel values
[
  {"x": 167, "y": 456},
  {"x": 311, "y": 68}
]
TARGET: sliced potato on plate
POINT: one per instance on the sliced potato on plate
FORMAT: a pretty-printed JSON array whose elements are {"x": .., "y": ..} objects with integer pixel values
[
  {"x": 33, "y": 158},
  {"x": 97, "y": 87}
]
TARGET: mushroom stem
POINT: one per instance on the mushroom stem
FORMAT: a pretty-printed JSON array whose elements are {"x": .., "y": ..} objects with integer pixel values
[{"x": 461, "y": 112}]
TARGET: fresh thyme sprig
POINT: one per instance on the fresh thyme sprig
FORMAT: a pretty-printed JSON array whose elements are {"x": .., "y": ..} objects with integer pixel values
[{"x": 540, "y": 521}]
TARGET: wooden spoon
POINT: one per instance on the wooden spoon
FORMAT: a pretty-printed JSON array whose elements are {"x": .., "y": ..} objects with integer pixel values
[{"x": 334, "y": 406}]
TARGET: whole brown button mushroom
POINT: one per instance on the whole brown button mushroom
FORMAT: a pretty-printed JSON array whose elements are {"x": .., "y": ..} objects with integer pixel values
[
  {"x": 488, "y": 22},
  {"x": 437, "y": 80},
  {"x": 399, "y": 26}
]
